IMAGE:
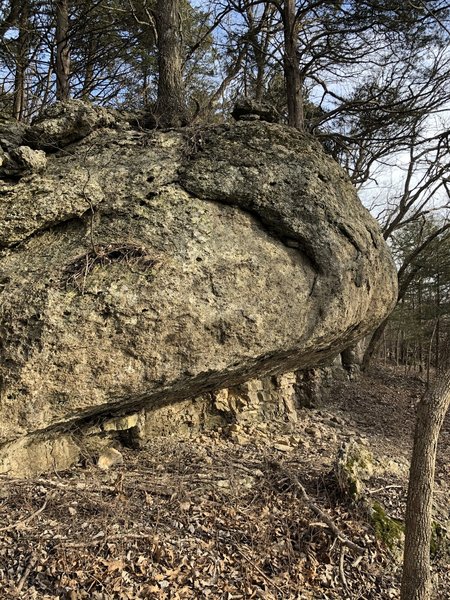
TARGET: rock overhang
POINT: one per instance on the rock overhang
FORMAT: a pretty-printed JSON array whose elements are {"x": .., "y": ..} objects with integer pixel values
[{"x": 259, "y": 258}]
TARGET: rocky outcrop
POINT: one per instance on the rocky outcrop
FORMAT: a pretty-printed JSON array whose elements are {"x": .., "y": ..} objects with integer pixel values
[
  {"x": 247, "y": 109},
  {"x": 12, "y": 133},
  {"x": 61, "y": 125},
  {"x": 148, "y": 267},
  {"x": 22, "y": 161},
  {"x": 17, "y": 159},
  {"x": 255, "y": 403}
]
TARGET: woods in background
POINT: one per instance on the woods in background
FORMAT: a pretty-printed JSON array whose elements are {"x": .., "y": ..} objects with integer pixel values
[{"x": 418, "y": 333}]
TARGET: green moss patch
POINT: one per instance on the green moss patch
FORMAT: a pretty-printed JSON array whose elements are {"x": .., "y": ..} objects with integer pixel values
[{"x": 389, "y": 531}]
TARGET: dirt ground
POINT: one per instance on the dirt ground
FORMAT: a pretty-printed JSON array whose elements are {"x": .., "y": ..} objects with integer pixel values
[{"x": 223, "y": 515}]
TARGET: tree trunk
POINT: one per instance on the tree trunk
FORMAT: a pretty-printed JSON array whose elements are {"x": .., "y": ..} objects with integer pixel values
[
  {"x": 294, "y": 94},
  {"x": 403, "y": 285},
  {"x": 171, "y": 108},
  {"x": 23, "y": 48},
  {"x": 438, "y": 323},
  {"x": 88, "y": 83},
  {"x": 62, "y": 50},
  {"x": 416, "y": 580},
  {"x": 373, "y": 345},
  {"x": 259, "y": 36}
]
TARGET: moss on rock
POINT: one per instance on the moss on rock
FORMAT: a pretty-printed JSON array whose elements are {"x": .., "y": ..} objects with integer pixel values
[
  {"x": 354, "y": 465},
  {"x": 389, "y": 531}
]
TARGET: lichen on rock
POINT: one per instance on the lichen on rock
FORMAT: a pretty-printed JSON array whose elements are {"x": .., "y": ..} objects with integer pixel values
[
  {"x": 354, "y": 465},
  {"x": 263, "y": 260}
]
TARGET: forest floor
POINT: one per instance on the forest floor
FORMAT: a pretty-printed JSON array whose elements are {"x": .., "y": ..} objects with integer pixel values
[{"x": 222, "y": 515}]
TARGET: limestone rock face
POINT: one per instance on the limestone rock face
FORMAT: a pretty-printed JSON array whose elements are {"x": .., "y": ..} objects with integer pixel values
[
  {"x": 23, "y": 161},
  {"x": 17, "y": 159},
  {"x": 149, "y": 267},
  {"x": 12, "y": 133},
  {"x": 64, "y": 123}
]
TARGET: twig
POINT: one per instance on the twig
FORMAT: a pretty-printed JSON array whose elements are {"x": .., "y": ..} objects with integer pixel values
[
  {"x": 356, "y": 562},
  {"x": 323, "y": 516},
  {"x": 385, "y": 487},
  {"x": 29, "y": 518},
  {"x": 30, "y": 565},
  {"x": 341, "y": 568},
  {"x": 263, "y": 575}
]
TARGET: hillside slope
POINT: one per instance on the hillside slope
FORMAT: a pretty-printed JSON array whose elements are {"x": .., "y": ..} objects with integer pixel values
[{"x": 220, "y": 515}]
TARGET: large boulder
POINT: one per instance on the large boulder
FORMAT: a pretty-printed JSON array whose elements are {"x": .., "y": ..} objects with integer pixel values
[{"x": 149, "y": 267}]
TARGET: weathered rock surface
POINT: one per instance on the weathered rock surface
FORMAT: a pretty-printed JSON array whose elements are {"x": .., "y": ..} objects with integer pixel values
[
  {"x": 247, "y": 109},
  {"x": 64, "y": 123},
  {"x": 12, "y": 133},
  {"x": 17, "y": 159},
  {"x": 22, "y": 161},
  {"x": 149, "y": 267}
]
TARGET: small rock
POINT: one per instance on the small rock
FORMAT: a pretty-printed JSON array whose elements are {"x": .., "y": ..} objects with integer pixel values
[
  {"x": 109, "y": 457},
  {"x": 34, "y": 161},
  {"x": 338, "y": 420},
  {"x": 66, "y": 122},
  {"x": 247, "y": 109},
  {"x": 223, "y": 483},
  {"x": 295, "y": 439},
  {"x": 239, "y": 438},
  {"x": 313, "y": 431},
  {"x": 121, "y": 423},
  {"x": 222, "y": 401},
  {"x": 12, "y": 133},
  {"x": 283, "y": 447},
  {"x": 354, "y": 465},
  {"x": 247, "y": 482},
  {"x": 235, "y": 428}
]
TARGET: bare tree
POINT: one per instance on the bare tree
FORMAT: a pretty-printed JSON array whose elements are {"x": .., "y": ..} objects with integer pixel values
[
  {"x": 425, "y": 178},
  {"x": 11, "y": 16},
  {"x": 21, "y": 59},
  {"x": 406, "y": 273},
  {"x": 171, "y": 108},
  {"x": 292, "y": 74},
  {"x": 62, "y": 50},
  {"x": 431, "y": 411}
]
